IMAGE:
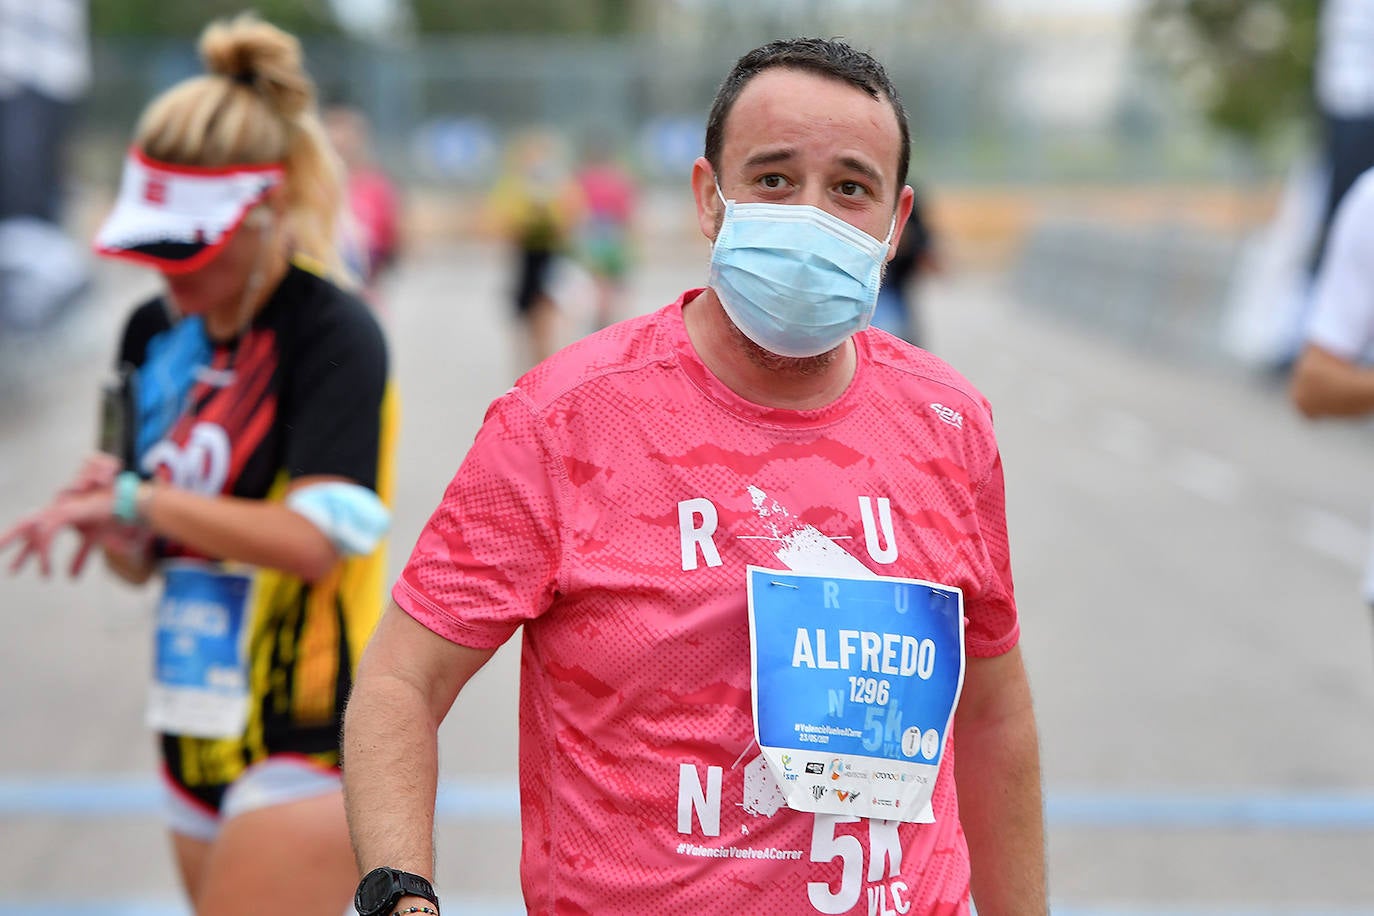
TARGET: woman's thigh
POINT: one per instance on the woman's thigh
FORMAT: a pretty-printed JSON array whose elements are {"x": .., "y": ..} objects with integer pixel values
[
  {"x": 191, "y": 854},
  {"x": 286, "y": 858}
]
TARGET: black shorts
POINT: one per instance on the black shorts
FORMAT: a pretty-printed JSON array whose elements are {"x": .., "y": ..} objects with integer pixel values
[{"x": 532, "y": 279}]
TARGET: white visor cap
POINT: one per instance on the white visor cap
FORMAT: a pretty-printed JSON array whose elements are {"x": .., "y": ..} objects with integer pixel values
[{"x": 176, "y": 218}]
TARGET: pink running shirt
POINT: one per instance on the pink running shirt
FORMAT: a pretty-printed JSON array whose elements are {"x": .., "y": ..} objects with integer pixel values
[
  {"x": 610, "y": 504},
  {"x": 609, "y": 193}
]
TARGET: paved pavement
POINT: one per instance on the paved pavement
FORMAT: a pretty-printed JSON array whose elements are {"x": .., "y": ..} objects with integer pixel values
[{"x": 1186, "y": 550}]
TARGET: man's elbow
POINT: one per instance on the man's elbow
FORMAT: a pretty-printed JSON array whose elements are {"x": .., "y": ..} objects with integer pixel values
[
  {"x": 1306, "y": 405},
  {"x": 1307, "y": 397}
]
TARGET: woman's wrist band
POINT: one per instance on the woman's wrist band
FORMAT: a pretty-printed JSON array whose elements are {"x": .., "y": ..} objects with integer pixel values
[{"x": 126, "y": 501}]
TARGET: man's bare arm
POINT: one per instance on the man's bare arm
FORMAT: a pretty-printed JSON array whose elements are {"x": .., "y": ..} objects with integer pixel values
[
  {"x": 407, "y": 680},
  {"x": 997, "y": 771}
]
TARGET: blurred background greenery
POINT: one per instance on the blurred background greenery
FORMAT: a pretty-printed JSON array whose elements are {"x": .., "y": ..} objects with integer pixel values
[{"x": 999, "y": 90}]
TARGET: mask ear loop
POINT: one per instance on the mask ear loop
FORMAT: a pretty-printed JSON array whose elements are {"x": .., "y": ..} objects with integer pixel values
[
  {"x": 726, "y": 205},
  {"x": 887, "y": 243},
  {"x": 892, "y": 227}
]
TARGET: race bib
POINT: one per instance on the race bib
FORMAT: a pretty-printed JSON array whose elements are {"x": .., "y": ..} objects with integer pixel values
[
  {"x": 200, "y": 681},
  {"x": 855, "y": 683}
]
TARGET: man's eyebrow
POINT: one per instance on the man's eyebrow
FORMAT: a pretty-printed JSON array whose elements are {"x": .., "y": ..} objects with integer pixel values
[
  {"x": 769, "y": 157},
  {"x": 863, "y": 168}
]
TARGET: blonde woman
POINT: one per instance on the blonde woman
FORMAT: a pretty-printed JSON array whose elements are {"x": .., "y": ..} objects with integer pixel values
[{"x": 246, "y": 471}]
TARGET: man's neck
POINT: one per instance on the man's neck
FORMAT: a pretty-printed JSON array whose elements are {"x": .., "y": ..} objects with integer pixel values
[{"x": 761, "y": 377}]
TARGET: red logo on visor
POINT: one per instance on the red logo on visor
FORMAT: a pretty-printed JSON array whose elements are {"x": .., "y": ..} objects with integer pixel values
[{"x": 155, "y": 191}]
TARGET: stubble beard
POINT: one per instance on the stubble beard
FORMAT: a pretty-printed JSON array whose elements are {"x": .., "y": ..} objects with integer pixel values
[{"x": 804, "y": 366}]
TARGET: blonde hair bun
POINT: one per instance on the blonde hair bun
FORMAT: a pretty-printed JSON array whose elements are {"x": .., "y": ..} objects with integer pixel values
[{"x": 258, "y": 54}]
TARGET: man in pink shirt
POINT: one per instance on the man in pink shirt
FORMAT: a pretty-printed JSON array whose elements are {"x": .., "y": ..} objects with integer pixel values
[{"x": 759, "y": 554}]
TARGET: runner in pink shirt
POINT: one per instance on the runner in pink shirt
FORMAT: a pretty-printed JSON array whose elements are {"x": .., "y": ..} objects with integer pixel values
[
  {"x": 604, "y": 235},
  {"x": 759, "y": 555}
]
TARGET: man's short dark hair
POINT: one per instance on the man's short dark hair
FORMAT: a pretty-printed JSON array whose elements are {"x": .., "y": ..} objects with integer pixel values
[{"x": 825, "y": 57}]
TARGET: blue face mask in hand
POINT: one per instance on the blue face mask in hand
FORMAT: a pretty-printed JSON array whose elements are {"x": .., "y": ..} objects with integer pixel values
[{"x": 794, "y": 279}]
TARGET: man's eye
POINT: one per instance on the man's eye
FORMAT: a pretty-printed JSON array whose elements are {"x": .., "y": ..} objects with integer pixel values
[
  {"x": 772, "y": 182},
  {"x": 851, "y": 188}
]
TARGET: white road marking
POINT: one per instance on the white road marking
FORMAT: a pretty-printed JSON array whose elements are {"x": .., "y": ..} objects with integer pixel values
[
  {"x": 1333, "y": 536},
  {"x": 1052, "y": 404},
  {"x": 1127, "y": 436},
  {"x": 1214, "y": 479}
]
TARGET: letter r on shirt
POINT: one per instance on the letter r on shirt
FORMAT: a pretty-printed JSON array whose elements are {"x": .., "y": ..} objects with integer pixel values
[{"x": 695, "y": 535}]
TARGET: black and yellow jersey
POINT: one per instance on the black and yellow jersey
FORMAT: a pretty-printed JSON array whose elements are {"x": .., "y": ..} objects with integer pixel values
[{"x": 303, "y": 391}]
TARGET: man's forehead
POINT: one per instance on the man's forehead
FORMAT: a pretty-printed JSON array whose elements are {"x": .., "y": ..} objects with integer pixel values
[
  {"x": 785, "y": 81},
  {"x": 783, "y": 100}
]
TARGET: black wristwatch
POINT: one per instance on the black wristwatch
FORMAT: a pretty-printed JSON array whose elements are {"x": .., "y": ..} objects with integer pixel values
[{"x": 382, "y": 887}]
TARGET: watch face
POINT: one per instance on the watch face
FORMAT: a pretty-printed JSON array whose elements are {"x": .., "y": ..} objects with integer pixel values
[{"x": 377, "y": 891}]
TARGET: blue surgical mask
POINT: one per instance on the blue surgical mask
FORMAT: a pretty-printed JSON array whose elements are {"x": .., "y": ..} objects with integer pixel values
[{"x": 794, "y": 279}]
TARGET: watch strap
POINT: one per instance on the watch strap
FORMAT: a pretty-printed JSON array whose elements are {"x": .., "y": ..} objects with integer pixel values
[{"x": 415, "y": 886}]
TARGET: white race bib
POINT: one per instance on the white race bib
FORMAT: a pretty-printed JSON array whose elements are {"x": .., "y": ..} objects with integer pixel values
[
  {"x": 200, "y": 678},
  {"x": 855, "y": 683}
]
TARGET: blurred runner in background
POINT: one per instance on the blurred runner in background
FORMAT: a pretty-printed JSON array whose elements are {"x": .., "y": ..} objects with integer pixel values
[
  {"x": 245, "y": 468},
  {"x": 372, "y": 230},
  {"x": 1334, "y": 374},
  {"x": 1345, "y": 98},
  {"x": 535, "y": 206},
  {"x": 897, "y": 309},
  {"x": 605, "y": 235},
  {"x": 1273, "y": 283},
  {"x": 44, "y": 71}
]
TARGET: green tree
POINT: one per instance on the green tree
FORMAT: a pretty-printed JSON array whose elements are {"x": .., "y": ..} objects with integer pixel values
[
  {"x": 136, "y": 18},
  {"x": 1247, "y": 63},
  {"x": 586, "y": 17}
]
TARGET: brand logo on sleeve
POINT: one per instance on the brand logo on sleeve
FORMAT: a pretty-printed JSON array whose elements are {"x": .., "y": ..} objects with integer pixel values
[{"x": 948, "y": 415}]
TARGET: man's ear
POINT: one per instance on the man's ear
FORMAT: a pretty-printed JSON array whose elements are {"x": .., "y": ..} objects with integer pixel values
[
  {"x": 710, "y": 211},
  {"x": 906, "y": 199}
]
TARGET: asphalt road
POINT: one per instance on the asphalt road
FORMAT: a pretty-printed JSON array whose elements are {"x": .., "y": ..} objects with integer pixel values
[{"x": 1187, "y": 555}]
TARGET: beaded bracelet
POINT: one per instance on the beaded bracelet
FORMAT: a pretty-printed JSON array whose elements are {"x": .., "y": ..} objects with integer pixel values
[{"x": 416, "y": 909}]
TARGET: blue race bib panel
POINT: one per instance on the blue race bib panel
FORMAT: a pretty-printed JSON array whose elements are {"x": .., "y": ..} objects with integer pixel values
[{"x": 855, "y": 684}]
